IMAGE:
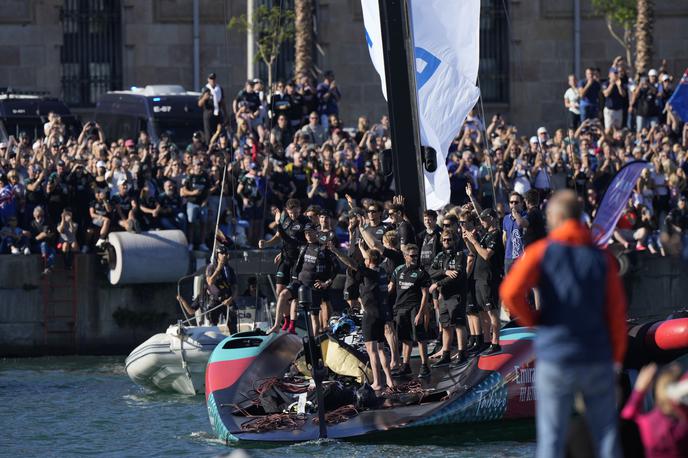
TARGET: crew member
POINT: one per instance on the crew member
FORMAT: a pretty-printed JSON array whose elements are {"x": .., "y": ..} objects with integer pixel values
[
  {"x": 487, "y": 272},
  {"x": 448, "y": 272},
  {"x": 290, "y": 225},
  {"x": 221, "y": 283},
  {"x": 373, "y": 281},
  {"x": 410, "y": 283},
  {"x": 316, "y": 268},
  {"x": 581, "y": 338}
]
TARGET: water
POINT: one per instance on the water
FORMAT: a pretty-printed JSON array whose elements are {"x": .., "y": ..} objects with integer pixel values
[{"x": 69, "y": 406}]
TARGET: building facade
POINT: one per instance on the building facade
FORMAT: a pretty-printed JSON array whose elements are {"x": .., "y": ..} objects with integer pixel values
[{"x": 77, "y": 49}]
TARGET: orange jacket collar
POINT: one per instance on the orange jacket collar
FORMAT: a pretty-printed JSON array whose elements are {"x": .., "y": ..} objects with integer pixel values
[{"x": 572, "y": 232}]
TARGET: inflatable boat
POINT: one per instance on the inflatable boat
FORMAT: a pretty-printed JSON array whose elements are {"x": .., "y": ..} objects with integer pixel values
[
  {"x": 242, "y": 367},
  {"x": 174, "y": 361}
]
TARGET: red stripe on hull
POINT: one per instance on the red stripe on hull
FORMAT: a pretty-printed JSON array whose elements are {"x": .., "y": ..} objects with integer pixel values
[{"x": 223, "y": 374}]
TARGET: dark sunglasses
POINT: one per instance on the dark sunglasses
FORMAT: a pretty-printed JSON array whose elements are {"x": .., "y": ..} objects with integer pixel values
[
  {"x": 447, "y": 240},
  {"x": 446, "y": 225},
  {"x": 372, "y": 211},
  {"x": 514, "y": 202}
]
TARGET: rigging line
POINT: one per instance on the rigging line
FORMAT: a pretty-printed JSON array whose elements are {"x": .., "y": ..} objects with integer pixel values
[{"x": 488, "y": 146}]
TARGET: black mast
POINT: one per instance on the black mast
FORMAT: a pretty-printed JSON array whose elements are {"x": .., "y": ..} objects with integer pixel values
[{"x": 400, "y": 72}]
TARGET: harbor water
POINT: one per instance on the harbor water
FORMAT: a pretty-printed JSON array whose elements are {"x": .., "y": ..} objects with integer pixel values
[{"x": 78, "y": 406}]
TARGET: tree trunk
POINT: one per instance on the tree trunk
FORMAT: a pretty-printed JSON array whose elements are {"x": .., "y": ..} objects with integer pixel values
[
  {"x": 643, "y": 35},
  {"x": 303, "y": 11}
]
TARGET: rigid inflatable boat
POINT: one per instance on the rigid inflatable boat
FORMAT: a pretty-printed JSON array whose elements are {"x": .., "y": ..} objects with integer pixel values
[{"x": 175, "y": 360}]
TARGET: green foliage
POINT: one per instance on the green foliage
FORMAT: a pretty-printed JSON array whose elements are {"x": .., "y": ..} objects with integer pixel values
[
  {"x": 271, "y": 27},
  {"x": 622, "y": 12}
]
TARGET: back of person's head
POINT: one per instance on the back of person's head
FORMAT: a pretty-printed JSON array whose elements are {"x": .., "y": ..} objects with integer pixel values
[
  {"x": 666, "y": 377},
  {"x": 391, "y": 238},
  {"x": 375, "y": 257},
  {"x": 532, "y": 198},
  {"x": 563, "y": 206}
]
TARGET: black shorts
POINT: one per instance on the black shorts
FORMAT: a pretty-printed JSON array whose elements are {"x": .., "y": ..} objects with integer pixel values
[
  {"x": 472, "y": 307},
  {"x": 452, "y": 312},
  {"x": 318, "y": 296},
  {"x": 407, "y": 331},
  {"x": 284, "y": 272},
  {"x": 487, "y": 295},
  {"x": 373, "y": 328},
  {"x": 350, "y": 288}
]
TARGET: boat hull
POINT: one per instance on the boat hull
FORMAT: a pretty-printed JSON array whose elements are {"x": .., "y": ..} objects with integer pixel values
[{"x": 488, "y": 388}]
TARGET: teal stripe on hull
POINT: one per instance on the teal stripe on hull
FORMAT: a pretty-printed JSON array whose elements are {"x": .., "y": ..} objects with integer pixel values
[
  {"x": 517, "y": 334},
  {"x": 218, "y": 426},
  {"x": 220, "y": 354}
]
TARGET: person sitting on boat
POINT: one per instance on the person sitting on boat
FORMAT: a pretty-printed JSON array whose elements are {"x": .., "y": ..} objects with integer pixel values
[
  {"x": 316, "y": 268},
  {"x": 487, "y": 272},
  {"x": 373, "y": 281},
  {"x": 581, "y": 337},
  {"x": 410, "y": 283},
  {"x": 221, "y": 282},
  {"x": 448, "y": 272},
  {"x": 290, "y": 225}
]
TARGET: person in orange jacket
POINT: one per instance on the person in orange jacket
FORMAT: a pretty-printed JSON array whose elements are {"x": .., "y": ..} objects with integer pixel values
[{"x": 581, "y": 327}]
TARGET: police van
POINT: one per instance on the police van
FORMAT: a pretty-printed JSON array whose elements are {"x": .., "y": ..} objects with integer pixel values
[
  {"x": 27, "y": 113},
  {"x": 156, "y": 109}
]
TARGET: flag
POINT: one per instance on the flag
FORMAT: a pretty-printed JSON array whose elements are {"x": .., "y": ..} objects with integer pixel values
[
  {"x": 614, "y": 201},
  {"x": 679, "y": 99},
  {"x": 446, "y": 41}
]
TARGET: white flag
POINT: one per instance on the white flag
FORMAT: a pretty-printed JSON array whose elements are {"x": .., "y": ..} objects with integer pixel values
[{"x": 446, "y": 42}]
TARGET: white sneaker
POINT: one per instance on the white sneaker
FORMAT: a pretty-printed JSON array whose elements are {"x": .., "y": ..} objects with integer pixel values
[
  {"x": 27, "y": 252},
  {"x": 15, "y": 250},
  {"x": 191, "y": 247},
  {"x": 203, "y": 247},
  {"x": 100, "y": 242}
]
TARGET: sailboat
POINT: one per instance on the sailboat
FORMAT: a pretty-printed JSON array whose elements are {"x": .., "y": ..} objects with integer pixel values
[{"x": 280, "y": 387}]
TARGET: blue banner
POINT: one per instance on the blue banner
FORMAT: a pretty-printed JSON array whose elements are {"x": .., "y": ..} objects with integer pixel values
[
  {"x": 679, "y": 99},
  {"x": 614, "y": 201}
]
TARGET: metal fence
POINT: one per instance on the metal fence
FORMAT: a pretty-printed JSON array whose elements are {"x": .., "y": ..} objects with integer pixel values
[{"x": 91, "y": 54}]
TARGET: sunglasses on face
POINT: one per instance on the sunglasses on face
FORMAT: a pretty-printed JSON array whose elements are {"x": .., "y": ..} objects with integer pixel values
[
  {"x": 372, "y": 211},
  {"x": 447, "y": 240},
  {"x": 514, "y": 202}
]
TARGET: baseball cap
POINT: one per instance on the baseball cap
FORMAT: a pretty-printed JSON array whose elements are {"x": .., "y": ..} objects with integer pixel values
[
  {"x": 122, "y": 181},
  {"x": 3, "y": 145},
  {"x": 533, "y": 139},
  {"x": 489, "y": 213},
  {"x": 212, "y": 76},
  {"x": 652, "y": 72},
  {"x": 613, "y": 70},
  {"x": 129, "y": 143},
  {"x": 256, "y": 81},
  {"x": 678, "y": 392},
  {"x": 308, "y": 227},
  {"x": 542, "y": 130},
  {"x": 100, "y": 164},
  {"x": 368, "y": 163},
  {"x": 664, "y": 77},
  {"x": 253, "y": 166}
]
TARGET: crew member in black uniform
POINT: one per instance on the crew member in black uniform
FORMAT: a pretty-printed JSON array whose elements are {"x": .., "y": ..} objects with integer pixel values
[
  {"x": 290, "y": 225},
  {"x": 221, "y": 283},
  {"x": 407, "y": 235},
  {"x": 325, "y": 235},
  {"x": 391, "y": 259},
  {"x": 373, "y": 280},
  {"x": 448, "y": 273},
  {"x": 316, "y": 268},
  {"x": 468, "y": 221},
  {"x": 429, "y": 239},
  {"x": 488, "y": 272},
  {"x": 410, "y": 283}
]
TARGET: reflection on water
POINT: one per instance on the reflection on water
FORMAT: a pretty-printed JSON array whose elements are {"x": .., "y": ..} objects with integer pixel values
[{"x": 60, "y": 406}]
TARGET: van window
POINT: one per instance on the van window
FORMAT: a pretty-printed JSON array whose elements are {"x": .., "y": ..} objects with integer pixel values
[{"x": 179, "y": 130}]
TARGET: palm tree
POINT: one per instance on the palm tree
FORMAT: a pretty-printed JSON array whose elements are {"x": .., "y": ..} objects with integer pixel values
[
  {"x": 643, "y": 34},
  {"x": 303, "y": 10}
]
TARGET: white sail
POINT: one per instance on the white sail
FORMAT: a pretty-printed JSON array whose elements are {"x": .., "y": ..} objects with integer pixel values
[{"x": 446, "y": 51}]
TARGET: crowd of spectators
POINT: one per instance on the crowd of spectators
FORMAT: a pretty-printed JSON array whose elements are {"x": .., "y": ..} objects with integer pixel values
[{"x": 65, "y": 194}]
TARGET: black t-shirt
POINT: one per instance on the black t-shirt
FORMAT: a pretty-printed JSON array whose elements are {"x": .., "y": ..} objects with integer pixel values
[
  {"x": 252, "y": 99},
  {"x": 315, "y": 263},
  {"x": 614, "y": 101},
  {"x": 250, "y": 188},
  {"x": 646, "y": 102},
  {"x": 408, "y": 283},
  {"x": 300, "y": 179},
  {"x": 194, "y": 182},
  {"x": 223, "y": 287},
  {"x": 536, "y": 227},
  {"x": 372, "y": 289},
  {"x": 430, "y": 245},
  {"x": 453, "y": 259},
  {"x": 124, "y": 202},
  {"x": 292, "y": 234},
  {"x": 170, "y": 205},
  {"x": 280, "y": 103},
  {"x": 99, "y": 207},
  {"x": 36, "y": 228},
  {"x": 392, "y": 260},
  {"x": 281, "y": 183},
  {"x": 377, "y": 231},
  {"x": 491, "y": 269},
  {"x": 325, "y": 236},
  {"x": 407, "y": 234}
]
